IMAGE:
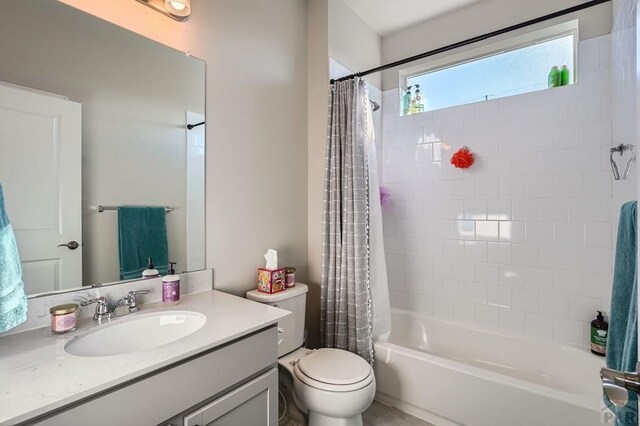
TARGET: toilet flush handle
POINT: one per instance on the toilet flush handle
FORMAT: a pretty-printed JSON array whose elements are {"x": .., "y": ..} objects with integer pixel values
[{"x": 280, "y": 335}]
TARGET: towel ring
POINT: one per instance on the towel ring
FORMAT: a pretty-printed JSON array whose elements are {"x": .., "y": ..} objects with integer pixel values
[{"x": 614, "y": 167}]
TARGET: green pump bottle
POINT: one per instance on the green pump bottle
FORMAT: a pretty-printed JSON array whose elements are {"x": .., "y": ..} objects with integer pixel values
[
  {"x": 554, "y": 79},
  {"x": 564, "y": 76}
]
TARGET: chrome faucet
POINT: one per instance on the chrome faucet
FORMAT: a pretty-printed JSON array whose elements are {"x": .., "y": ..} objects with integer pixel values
[
  {"x": 617, "y": 384},
  {"x": 102, "y": 307},
  {"x": 130, "y": 301}
]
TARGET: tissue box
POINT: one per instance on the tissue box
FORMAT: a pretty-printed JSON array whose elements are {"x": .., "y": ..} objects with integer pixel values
[{"x": 271, "y": 280}]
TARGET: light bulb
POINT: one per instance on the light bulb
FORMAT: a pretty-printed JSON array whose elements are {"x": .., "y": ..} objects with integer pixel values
[{"x": 177, "y": 5}]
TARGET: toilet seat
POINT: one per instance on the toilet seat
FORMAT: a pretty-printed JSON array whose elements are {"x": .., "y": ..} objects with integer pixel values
[{"x": 334, "y": 370}]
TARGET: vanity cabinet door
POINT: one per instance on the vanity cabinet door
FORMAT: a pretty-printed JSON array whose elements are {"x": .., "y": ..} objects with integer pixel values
[{"x": 254, "y": 404}]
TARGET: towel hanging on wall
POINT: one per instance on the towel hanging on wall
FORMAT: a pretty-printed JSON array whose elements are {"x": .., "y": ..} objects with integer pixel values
[
  {"x": 142, "y": 233},
  {"x": 13, "y": 300},
  {"x": 622, "y": 340}
]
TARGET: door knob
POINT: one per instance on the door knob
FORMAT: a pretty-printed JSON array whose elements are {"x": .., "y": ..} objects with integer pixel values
[{"x": 71, "y": 245}]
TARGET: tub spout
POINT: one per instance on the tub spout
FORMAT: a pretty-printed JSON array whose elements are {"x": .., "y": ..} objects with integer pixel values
[{"x": 617, "y": 384}]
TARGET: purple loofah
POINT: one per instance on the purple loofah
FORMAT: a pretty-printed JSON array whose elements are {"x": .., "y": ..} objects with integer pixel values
[{"x": 385, "y": 196}]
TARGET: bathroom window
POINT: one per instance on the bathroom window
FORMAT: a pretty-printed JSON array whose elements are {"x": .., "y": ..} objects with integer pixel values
[{"x": 514, "y": 66}]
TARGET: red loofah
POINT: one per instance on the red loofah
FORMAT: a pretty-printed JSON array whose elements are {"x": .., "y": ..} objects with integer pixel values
[{"x": 463, "y": 158}]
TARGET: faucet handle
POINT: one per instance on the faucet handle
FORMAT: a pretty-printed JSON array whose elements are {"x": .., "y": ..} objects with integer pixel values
[
  {"x": 133, "y": 304},
  {"x": 101, "y": 307},
  {"x": 98, "y": 300}
]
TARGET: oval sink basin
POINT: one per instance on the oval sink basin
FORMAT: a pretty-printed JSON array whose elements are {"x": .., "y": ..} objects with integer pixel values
[{"x": 135, "y": 334}]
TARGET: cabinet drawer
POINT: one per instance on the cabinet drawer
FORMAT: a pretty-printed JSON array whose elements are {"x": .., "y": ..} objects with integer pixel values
[
  {"x": 254, "y": 404},
  {"x": 161, "y": 396}
]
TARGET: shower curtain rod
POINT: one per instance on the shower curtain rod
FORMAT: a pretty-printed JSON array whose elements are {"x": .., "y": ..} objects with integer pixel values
[{"x": 476, "y": 39}]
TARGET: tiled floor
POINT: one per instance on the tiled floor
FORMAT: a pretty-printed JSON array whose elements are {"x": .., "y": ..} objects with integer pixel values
[
  {"x": 383, "y": 415},
  {"x": 380, "y": 415}
]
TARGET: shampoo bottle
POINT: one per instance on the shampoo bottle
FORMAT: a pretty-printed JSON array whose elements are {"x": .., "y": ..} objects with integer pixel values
[
  {"x": 564, "y": 76},
  {"x": 151, "y": 271},
  {"x": 171, "y": 286},
  {"x": 599, "y": 331},
  {"x": 554, "y": 79},
  {"x": 406, "y": 102},
  {"x": 419, "y": 103}
]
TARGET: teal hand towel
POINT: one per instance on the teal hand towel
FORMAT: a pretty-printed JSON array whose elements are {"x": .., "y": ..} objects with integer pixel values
[
  {"x": 622, "y": 340},
  {"x": 142, "y": 233},
  {"x": 13, "y": 300}
]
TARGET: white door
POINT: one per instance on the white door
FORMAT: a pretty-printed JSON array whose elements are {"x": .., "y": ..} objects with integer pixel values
[{"x": 40, "y": 171}]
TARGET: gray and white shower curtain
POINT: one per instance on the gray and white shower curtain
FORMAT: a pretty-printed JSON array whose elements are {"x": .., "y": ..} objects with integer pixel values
[{"x": 353, "y": 256}]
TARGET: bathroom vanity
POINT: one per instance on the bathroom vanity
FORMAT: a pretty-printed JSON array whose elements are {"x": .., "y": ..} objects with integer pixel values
[{"x": 223, "y": 373}]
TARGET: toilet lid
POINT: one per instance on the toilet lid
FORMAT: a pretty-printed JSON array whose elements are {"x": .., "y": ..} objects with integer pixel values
[{"x": 335, "y": 367}]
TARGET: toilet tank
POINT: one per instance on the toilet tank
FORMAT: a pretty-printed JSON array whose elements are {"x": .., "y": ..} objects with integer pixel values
[{"x": 290, "y": 329}]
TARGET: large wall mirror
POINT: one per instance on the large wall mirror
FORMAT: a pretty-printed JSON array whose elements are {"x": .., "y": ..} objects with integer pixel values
[{"x": 94, "y": 142}]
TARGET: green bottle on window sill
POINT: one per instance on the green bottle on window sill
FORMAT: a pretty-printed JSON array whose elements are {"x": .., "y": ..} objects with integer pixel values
[
  {"x": 564, "y": 76},
  {"x": 555, "y": 78}
]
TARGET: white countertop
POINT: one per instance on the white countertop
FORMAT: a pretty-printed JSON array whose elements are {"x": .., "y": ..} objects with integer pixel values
[{"x": 37, "y": 376}]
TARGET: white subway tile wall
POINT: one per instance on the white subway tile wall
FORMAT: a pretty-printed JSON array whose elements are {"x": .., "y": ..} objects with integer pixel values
[
  {"x": 624, "y": 93},
  {"x": 522, "y": 242}
]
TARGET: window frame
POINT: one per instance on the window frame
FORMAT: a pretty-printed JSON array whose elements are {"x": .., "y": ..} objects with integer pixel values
[{"x": 493, "y": 49}]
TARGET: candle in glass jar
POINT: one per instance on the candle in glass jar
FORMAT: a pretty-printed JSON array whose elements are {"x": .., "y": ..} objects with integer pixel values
[
  {"x": 63, "y": 318},
  {"x": 290, "y": 277}
]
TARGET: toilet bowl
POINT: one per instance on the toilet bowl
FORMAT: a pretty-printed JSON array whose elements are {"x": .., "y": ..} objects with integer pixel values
[{"x": 332, "y": 386}]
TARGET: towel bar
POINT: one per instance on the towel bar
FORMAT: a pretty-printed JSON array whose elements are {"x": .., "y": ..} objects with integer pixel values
[{"x": 104, "y": 208}]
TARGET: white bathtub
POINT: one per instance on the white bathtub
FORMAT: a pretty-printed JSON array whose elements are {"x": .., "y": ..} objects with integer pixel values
[{"x": 447, "y": 374}]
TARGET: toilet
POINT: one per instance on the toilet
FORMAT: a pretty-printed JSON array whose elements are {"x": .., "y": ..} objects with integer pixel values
[{"x": 331, "y": 387}]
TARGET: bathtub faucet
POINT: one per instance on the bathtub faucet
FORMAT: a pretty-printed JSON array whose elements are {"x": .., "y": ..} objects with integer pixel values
[{"x": 616, "y": 384}]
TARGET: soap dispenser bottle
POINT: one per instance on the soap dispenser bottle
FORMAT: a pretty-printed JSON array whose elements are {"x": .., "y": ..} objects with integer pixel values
[
  {"x": 151, "y": 271},
  {"x": 171, "y": 286},
  {"x": 406, "y": 102},
  {"x": 599, "y": 331}
]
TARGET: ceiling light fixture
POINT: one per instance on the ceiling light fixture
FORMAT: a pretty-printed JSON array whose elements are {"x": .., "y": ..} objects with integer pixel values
[{"x": 174, "y": 9}]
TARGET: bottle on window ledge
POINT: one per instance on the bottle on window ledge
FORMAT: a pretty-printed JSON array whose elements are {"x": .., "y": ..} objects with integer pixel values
[
  {"x": 418, "y": 104},
  {"x": 564, "y": 76},
  {"x": 406, "y": 102},
  {"x": 554, "y": 79}
]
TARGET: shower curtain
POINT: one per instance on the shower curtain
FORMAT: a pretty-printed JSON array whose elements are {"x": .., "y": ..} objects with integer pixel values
[{"x": 355, "y": 299}]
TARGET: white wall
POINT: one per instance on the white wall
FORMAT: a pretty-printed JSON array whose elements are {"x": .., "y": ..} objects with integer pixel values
[
  {"x": 256, "y": 113},
  {"x": 480, "y": 18},
  {"x": 131, "y": 116},
  {"x": 196, "y": 194},
  {"x": 352, "y": 42},
  {"x": 521, "y": 243},
  {"x": 318, "y": 91},
  {"x": 624, "y": 92}
]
